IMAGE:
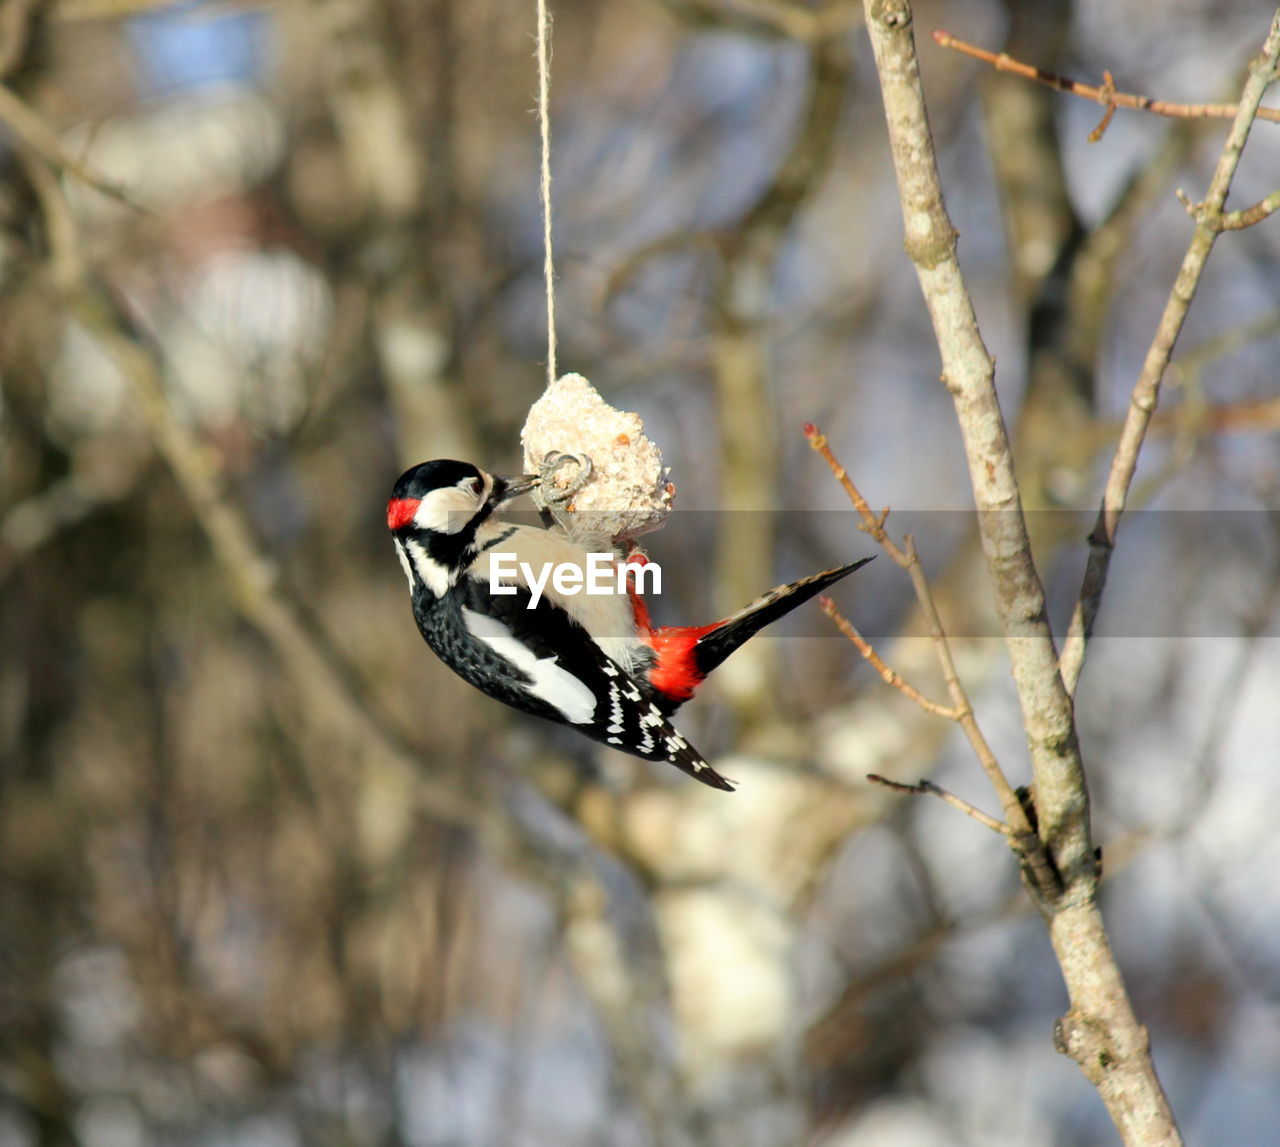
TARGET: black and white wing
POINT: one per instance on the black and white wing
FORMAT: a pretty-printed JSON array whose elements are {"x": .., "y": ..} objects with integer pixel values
[{"x": 543, "y": 662}]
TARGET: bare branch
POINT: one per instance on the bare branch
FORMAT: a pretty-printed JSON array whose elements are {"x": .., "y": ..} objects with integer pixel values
[
  {"x": 1106, "y": 94},
  {"x": 1230, "y": 220},
  {"x": 968, "y": 372},
  {"x": 1022, "y": 835},
  {"x": 1146, "y": 391},
  {"x": 1100, "y": 1030},
  {"x": 29, "y": 127},
  {"x": 889, "y": 676},
  {"x": 1108, "y": 97},
  {"x": 928, "y": 788},
  {"x": 1248, "y": 216},
  {"x": 872, "y": 523}
]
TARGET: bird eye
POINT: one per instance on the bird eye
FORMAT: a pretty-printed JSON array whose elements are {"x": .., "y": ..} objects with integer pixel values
[{"x": 474, "y": 485}]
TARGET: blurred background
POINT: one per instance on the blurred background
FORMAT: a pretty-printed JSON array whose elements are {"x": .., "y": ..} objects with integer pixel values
[{"x": 271, "y": 877}]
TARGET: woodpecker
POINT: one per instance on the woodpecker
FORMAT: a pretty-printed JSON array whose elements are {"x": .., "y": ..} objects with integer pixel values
[{"x": 590, "y": 661}]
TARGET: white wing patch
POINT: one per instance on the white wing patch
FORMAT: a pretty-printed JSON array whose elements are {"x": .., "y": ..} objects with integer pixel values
[
  {"x": 607, "y": 617},
  {"x": 556, "y": 686}
]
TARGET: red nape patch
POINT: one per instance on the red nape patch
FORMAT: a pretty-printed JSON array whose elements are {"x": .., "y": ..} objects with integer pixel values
[
  {"x": 676, "y": 674},
  {"x": 400, "y": 511}
]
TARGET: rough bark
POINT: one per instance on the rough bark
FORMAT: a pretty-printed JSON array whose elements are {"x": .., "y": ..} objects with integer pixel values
[{"x": 1100, "y": 1030}]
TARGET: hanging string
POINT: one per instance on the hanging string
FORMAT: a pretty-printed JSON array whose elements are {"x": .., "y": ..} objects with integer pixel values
[{"x": 544, "y": 130}]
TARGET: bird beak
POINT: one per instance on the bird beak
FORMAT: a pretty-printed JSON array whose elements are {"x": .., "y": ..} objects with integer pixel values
[{"x": 504, "y": 489}]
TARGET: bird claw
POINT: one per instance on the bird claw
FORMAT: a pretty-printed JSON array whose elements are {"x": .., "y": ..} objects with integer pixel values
[{"x": 555, "y": 492}]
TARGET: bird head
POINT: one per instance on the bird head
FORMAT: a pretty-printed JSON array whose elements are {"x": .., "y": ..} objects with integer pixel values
[
  {"x": 448, "y": 497},
  {"x": 434, "y": 513}
]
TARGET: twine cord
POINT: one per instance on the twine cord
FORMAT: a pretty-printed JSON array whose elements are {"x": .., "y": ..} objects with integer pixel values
[{"x": 544, "y": 185}]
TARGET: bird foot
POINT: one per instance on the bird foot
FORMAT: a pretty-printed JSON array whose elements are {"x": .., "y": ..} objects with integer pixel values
[{"x": 560, "y": 485}]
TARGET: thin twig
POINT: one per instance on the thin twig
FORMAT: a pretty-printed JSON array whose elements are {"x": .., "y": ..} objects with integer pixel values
[
  {"x": 1146, "y": 391},
  {"x": 1108, "y": 97},
  {"x": 29, "y": 127},
  {"x": 1106, "y": 94},
  {"x": 1248, "y": 216},
  {"x": 928, "y": 788},
  {"x": 872, "y": 523},
  {"x": 1022, "y": 834},
  {"x": 888, "y": 675}
]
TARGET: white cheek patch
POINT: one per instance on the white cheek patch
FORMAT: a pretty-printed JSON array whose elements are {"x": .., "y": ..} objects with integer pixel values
[
  {"x": 446, "y": 511},
  {"x": 550, "y": 682}
]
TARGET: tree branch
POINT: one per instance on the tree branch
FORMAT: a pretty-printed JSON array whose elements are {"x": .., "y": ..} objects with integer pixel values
[
  {"x": 1146, "y": 391},
  {"x": 1239, "y": 220},
  {"x": 1020, "y": 832},
  {"x": 36, "y": 133},
  {"x": 928, "y": 788},
  {"x": 968, "y": 372},
  {"x": 888, "y": 675},
  {"x": 1106, "y": 94},
  {"x": 1100, "y": 1030}
]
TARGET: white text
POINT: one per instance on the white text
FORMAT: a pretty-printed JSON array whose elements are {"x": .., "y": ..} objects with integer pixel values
[{"x": 602, "y": 574}]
